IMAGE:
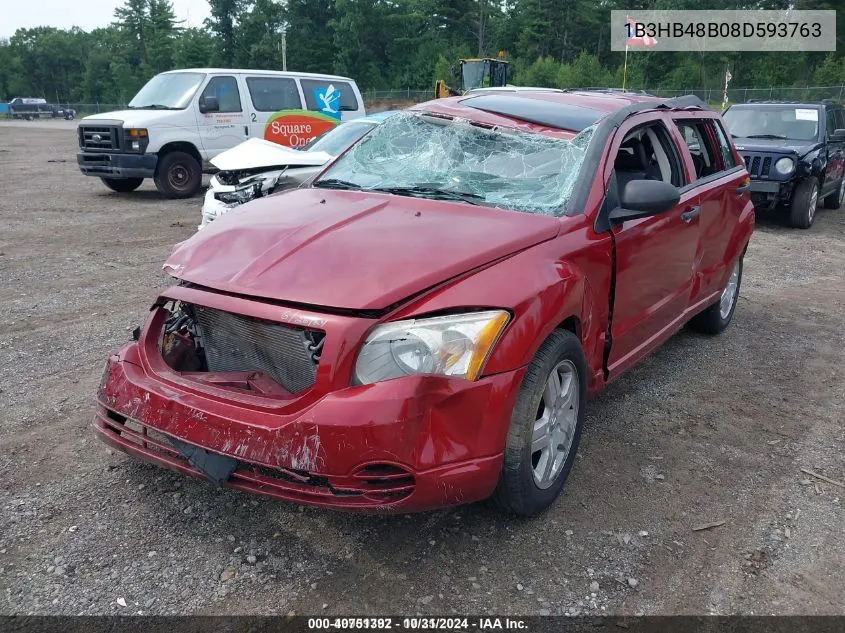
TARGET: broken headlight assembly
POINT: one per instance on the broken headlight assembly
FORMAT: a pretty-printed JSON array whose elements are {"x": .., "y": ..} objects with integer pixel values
[
  {"x": 254, "y": 187},
  {"x": 455, "y": 346}
]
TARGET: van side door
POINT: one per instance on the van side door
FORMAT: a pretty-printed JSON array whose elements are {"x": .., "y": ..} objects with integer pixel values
[
  {"x": 275, "y": 104},
  {"x": 224, "y": 126}
]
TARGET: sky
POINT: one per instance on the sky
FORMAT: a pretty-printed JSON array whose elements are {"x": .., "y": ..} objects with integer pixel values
[{"x": 86, "y": 14}]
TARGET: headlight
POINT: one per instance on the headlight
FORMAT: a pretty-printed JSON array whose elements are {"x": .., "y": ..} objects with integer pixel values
[
  {"x": 136, "y": 139},
  {"x": 238, "y": 196},
  {"x": 784, "y": 165},
  {"x": 455, "y": 345}
]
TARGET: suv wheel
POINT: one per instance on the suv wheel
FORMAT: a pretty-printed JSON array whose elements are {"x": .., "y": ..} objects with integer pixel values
[
  {"x": 122, "y": 185},
  {"x": 805, "y": 199},
  {"x": 178, "y": 175},
  {"x": 718, "y": 316},
  {"x": 545, "y": 427},
  {"x": 834, "y": 200}
]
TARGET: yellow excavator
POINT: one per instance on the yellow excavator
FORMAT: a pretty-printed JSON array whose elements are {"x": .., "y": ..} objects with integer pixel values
[{"x": 487, "y": 72}]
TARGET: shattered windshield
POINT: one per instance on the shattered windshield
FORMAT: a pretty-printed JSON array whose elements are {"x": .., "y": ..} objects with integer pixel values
[{"x": 452, "y": 159}]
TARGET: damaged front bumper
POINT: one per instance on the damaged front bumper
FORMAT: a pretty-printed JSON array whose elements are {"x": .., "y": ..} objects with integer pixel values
[{"x": 403, "y": 445}]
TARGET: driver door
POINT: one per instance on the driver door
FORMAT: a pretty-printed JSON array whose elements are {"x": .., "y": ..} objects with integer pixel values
[
  {"x": 655, "y": 256},
  {"x": 229, "y": 124}
]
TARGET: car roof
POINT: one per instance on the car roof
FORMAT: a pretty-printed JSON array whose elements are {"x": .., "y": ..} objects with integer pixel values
[
  {"x": 246, "y": 71},
  {"x": 571, "y": 110},
  {"x": 789, "y": 104}
]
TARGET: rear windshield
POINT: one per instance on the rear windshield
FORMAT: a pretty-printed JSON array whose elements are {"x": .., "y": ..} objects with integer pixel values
[{"x": 773, "y": 122}]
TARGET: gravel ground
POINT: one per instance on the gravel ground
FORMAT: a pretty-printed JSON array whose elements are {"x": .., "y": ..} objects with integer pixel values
[{"x": 706, "y": 430}]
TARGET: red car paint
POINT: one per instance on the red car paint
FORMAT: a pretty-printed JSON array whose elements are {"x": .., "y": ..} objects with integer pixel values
[{"x": 345, "y": 261}]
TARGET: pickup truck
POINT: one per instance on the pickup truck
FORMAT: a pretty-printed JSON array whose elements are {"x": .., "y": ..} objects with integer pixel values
[{"x": 422, "y": 326}]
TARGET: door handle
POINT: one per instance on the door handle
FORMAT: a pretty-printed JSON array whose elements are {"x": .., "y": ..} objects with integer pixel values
[
  {"x": 690, "y": 214},
  {"x": 743, "y": 188},
  {"x": 246, "y": 130}
]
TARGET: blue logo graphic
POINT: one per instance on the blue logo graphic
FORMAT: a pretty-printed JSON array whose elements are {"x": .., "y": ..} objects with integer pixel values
[{"x": 328, "y": 101}]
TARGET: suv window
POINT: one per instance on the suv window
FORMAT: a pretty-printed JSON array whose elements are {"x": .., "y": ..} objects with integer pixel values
[
  {"x": 271, "y": 94},
  {"x": 225, "y": 89},
  {"x": 700, "y": 146},
  {"x": 647, "y": 153},
  {"x": 840, "y": 118},
  {"x": 728, "y": 160},
  {"x": 310, "y": 88}
]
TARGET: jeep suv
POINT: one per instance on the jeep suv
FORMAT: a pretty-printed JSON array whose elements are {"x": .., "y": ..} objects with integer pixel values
[{"x": 793, "y": 153}]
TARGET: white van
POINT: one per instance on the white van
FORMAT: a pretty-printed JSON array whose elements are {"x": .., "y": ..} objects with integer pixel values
[{"x": 183, "y": 118}]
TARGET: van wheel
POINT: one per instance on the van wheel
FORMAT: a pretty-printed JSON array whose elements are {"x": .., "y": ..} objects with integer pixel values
[
  {"x": 805, "y": 199},
  {"x": 718, "y": 316},
  {"x": 122, "y": 185},
  {"x": 545, "y": 427},
  {"x": 178, "y": 175}
]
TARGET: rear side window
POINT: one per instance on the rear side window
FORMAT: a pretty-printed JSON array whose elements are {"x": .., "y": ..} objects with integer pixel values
[
  {"x": 830, "y": 120},
  {"x": 700, "y": 145},
  {"x": 728, "y": 160},
  {"x": 314, "y": 87},
  {"x": 271, "y": 94},
  {"x": 840, "y": 118},
  {"x": 225, "y": 89}
]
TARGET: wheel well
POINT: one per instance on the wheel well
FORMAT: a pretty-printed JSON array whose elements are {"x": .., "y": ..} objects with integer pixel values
[
  {"x": 181, "y": 146},
  {"x": 571, "y": 324}
]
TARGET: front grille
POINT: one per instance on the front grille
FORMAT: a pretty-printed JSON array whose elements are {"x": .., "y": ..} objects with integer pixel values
[
  {"x": 99, "y": 138},
  {"x": 237, "y": 343},
  {"x": 758, "y": 166}
]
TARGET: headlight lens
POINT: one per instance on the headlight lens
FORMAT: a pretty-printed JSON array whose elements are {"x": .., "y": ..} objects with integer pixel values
[
  {"x": 784, "y": 165},
  {"x": 455, "y": 345},
  {"x": 238, "y": 196}
]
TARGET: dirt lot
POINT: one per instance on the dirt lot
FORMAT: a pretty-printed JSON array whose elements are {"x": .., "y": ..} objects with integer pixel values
[{"x": 708, "y": 429}]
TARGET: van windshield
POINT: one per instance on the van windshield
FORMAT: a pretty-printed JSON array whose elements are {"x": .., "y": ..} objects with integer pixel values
[{"x": 170, "y": 91}]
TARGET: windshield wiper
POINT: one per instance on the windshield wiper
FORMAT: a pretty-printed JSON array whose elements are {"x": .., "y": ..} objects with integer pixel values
[
  {"x": 434, "y": 193},
  {"x": 335, "y": 183},
  {"x": 777, "y": 136},
  {"x": 152, "y": 106}
]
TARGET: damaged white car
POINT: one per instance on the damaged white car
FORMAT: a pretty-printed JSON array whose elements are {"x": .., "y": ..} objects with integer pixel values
[{"x": 257, "y": 168}]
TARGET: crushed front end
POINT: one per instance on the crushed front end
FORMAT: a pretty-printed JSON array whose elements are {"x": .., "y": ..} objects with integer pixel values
[{"x": 259, "y": 397}]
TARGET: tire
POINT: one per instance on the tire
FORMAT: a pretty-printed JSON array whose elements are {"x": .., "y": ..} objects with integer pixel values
[
  {"x": 122, "y": 185},
  {"x": 519, "y": 491},
  {"x": 805, "y": 199},
  {"x": 717, "y": 317},
  {"x": 178, "y": 175},
  {"x": 834, "y": 200}
]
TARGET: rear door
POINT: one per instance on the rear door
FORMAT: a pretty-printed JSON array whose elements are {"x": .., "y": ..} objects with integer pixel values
[
  {"x": 835, "y": 164},
  {"x": 268, "y": 96},
  {"x": 719, "y": 179},
  {"x": 228, "y": 126},
  {"x": 655, "y": 256}
]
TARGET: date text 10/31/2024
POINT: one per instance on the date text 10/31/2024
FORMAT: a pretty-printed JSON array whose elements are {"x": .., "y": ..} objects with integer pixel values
[{"x": 417, "y": 623}]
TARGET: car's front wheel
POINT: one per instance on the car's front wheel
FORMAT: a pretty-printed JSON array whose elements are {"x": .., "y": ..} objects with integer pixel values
[
  {"x": 178, "y": 175},
  {"x": 805, "y": 199},
  {"x": 545, "y": 427},
  {"x": 122, "y": 185}
]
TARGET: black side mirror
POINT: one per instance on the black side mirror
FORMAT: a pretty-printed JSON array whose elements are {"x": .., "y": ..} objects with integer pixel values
[
  {"x": 209, "y": 104},
  {"x": 645, "y": 198},
  {"x": 838, "y": 136}
]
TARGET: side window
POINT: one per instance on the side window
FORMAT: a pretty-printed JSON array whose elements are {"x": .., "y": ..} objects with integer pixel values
[
  {"x": 840, "y": 118},
  {"x": 311, "y": 88},
  {"x": 830, "y": 120},
  {"x": 225, "y": 89},
  {"x": 647, "y": 153},
  {"x": 271, "y": 94},
  {"x": 728, "y": 160},
  {"x": 700, "y": 146}
]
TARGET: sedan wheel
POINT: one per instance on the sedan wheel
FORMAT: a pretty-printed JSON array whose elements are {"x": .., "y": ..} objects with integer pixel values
[
  {"x": 555, "y": 425},
  {"x": 545, "y": 427},
  {"x": 726, "y": 303}
]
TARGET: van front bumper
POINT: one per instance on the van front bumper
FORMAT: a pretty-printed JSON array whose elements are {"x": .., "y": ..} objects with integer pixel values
[{"x": 111, "y": 165}]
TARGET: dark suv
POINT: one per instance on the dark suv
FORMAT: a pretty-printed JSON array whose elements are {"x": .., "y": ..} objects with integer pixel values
[{"x": 793, "y": 153}]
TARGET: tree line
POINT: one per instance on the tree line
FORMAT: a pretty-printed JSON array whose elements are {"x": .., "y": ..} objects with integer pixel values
[{"x": 386, "y": 44}]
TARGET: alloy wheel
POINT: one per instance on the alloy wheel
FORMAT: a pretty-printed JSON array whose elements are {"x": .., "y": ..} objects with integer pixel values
[{"x": 555, "y": 424}]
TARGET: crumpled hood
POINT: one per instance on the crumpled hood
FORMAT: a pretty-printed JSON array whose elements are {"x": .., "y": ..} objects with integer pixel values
[
  {"x": 774, "y": 145},
  {"x": 257, "y": 153},
  {"x": 349, "y": 249}
]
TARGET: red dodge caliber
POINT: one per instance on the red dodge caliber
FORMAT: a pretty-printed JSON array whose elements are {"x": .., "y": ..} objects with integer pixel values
[{"x": 423, "y": 324}]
